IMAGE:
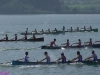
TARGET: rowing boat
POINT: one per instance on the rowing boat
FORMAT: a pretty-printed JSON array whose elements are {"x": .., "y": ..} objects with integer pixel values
[
  {"x": 53, "y": 63},
  {"x": 94, "y": 30},
  {"x": 40, "y": 33},
  {"x": 58, "y": 32},
  {"x": 60, "y": 47},
  {"x": 30, "y": 40}
]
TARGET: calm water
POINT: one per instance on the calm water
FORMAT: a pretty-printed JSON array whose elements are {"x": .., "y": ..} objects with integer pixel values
[{"x": 11, "y": 24}]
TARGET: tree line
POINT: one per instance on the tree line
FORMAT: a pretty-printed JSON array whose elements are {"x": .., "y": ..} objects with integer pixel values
[{"x": 45, "y": 7}]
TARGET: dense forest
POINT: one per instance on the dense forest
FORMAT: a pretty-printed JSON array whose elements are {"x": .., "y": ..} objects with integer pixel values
[{"x": 49, "y": 6}]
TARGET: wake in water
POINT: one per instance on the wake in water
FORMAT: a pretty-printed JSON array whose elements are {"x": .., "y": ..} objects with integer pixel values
[
  {"x": 9, "y": 33},
  {"x": 8, "y": 64},
  {"x": 12, "y": 48}
]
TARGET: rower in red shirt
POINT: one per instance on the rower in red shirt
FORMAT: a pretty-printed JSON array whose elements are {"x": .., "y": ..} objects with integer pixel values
[{"x": 52, "y": 43}]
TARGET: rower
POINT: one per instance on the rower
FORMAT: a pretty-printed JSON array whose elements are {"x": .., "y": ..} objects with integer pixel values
[
  {"x": 77, "y": 28},
  {"x": 26, "y": 57},
  {"x": 33, "y": 37},
  {"x": 63, "y": 58},
  {"x": 63, "y": 28},
  {"x": 26, "y": 31},
  {"x": 15, "y": 38},
  {"x": 94, "y": 56},
  {"x": 90, "y": 28},
  {"x": 79, "y": 57},
  {"x": 34, "y": 31},
  {"x": 55, "y": 30},
  {"x": 6, "y": 37},
  {"x": 42, "y": 31},
  {"x": 84, "y": 28},
  {"x": 67, "y": 44},
  {"x": 53, "y": 43},
  {"x": 48, "y": 31},
  {"x": 79, "y": 43},
  {"x": 47, "y": 58},
  {"x": 71, "y": 29},
  {"x": 89, "y": 43},
  {"x": 25, "y": 37}
]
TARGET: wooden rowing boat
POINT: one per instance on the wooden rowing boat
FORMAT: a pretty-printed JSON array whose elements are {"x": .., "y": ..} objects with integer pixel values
[
  {"x": 54, "y": 63},
  {"x": 30, "y": 40},
  {"x": 58, "y": 32},
  {"x": 60, "y": 47}
]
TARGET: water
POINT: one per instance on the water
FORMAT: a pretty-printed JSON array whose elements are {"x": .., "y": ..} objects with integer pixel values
[{"x": 11, "y": 24}]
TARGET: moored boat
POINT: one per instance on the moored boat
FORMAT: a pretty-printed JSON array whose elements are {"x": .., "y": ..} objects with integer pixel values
[
  {"x": 54, "y": 63},
  {"x": 30, "y": 40}
]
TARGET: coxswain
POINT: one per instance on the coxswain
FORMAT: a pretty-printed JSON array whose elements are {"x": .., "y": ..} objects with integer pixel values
[
  {"x": 89, "y": 43},
  {"x": 53, "y": 43},
  {"x": 62, "y": 58},
  {"x": 47, "y": 58},
  {"x": 79, "y": 57},
  {"x": 94, "y": 56}
]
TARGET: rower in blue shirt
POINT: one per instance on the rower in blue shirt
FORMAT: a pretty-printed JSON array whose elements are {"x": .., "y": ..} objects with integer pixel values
[
  {"x": 63, "y": 58},
  {"x": 47, "y": 58},
  {"x": 79, "y": 57},
  {"x": 26, "y": 57},
  {"x": 94, "y": 56}
]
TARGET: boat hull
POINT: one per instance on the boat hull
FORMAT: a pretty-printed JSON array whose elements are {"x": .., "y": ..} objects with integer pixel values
[
  {"x": 60, "y": 47},
  {"x": 53, "y": 63},
  {"x": 30, "y": 40}
]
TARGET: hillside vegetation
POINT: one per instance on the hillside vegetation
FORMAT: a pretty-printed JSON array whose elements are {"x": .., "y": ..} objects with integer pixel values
[{"x": 49, "y": 6}]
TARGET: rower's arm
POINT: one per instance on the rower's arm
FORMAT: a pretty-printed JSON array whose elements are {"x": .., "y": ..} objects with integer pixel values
[
  {"x": 88, "y": 58},
  {"x": 75, "y": 43},
  {"x": 86, "y": 42},
  {"x": 42, "y": 60},
  {"x": 97, "y": 41},
  {"x": 75, "y": 58},
  {"x": 59, "y": 59}
]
